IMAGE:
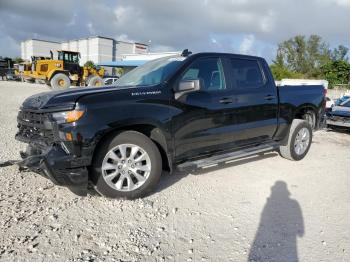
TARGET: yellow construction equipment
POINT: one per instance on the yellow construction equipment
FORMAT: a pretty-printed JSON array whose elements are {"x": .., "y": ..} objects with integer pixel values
[
  {"x": 24, "y": 71},
  {"x": 66, "y": 71}
]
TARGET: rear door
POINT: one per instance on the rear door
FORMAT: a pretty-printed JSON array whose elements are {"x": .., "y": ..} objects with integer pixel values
[{"x": 254, "y": 109}]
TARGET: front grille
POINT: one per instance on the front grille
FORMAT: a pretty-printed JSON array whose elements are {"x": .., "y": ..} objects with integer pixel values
[{"x": 34, "y": 127}]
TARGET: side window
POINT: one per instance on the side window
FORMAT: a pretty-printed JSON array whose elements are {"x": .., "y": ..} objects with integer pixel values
[
  {"x": 210, "y": 73},
  {"x": 246, "y": 73}
]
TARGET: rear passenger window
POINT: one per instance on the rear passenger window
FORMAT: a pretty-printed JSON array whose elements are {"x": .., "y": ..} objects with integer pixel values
[{"x": 246, "y": 73}]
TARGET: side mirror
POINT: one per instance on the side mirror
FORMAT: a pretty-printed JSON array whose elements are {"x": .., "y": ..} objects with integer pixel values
[{"x": 188, "y": 85}]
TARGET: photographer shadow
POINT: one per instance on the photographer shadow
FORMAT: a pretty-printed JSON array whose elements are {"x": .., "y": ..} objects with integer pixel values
[{"x": 281, "y": 223}]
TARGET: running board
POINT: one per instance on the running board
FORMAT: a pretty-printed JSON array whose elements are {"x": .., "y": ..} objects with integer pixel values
[{"x": 217, "y": 159}]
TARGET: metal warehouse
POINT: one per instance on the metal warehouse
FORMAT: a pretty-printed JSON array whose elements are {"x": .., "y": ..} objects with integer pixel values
[{"x": 95, "y": 48}]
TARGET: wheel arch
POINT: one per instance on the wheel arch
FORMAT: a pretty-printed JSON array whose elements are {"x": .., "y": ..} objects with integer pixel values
[
  {"x": 301, "y": 111},
  {"x": 155, "y": 133}
]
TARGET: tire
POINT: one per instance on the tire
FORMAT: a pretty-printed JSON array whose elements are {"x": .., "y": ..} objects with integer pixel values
[
  {"x": 87, "y": 81},
  {"x": 291, "y": 149},
  {"x": 95, "y": 81},
  {"x": 310, "y": 117},
  {"x": 60, "y": 81},
  {"x": 118, "y": 184},
  {"x": 30, "y": 81}
]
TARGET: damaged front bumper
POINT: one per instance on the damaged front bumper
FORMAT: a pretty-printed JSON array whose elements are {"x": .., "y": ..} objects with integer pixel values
[
  {"x": 342, "y": 121},
  {"x": 61, "y": 168}
]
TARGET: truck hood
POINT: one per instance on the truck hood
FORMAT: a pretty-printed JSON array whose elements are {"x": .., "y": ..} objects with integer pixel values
[{"x": 64, "y": 99}]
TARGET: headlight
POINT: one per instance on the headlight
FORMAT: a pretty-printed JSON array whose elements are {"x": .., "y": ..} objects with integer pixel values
[{"x": 68, "y": 116}]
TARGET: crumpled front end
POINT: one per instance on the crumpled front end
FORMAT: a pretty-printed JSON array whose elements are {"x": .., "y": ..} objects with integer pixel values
[
  {"x": 48, "y": 155},
  {"x": 339, "y": 116}
]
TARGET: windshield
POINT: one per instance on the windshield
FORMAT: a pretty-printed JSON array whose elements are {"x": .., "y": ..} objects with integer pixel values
[
  {"x": 151, "y": 73},
  {"x": 68, "y": 57}
]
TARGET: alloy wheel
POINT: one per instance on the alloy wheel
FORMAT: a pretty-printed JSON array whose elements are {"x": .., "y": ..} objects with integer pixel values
[
  {"x": 126, "y": 167},
  {"x": 302, "y": 141}
]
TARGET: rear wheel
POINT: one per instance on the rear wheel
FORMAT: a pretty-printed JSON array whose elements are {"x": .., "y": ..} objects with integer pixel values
[
  {"x": 299, "y": 141},
  {"x": 60, "y": 81},
  {"x": 310, "y": 117},
  {"x": 128, "y": 165},
  {"x": 29, "y": 80},
  {"x": 95, "y": 81}
]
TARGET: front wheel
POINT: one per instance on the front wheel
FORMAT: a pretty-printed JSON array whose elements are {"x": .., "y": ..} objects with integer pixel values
[
  {"x": 95, "y": 81},
  {"x": 299, "y": 141},
  {"x": 60, "y": 81},
  {"x": 128, "y": 165}
]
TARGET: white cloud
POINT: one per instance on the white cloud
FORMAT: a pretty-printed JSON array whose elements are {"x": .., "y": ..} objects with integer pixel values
[
  {"x": 246, "y": 45},
  {"x": 199, "y": 25},
  {"x": 344, "y": 3},
  {"x": 91, "y": 28}
]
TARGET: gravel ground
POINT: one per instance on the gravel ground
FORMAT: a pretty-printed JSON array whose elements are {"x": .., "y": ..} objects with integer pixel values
[{"x": 261, "y": 208}]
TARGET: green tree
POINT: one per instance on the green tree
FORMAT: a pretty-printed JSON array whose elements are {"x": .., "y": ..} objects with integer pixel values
[
  {"x": 18, "y": 60},
  {"x": 304, "y": 55},
  {"x": 280, "y": 71},
  {"x": 337, "y": 72},
  {"x": 340, "y": 53},
  {"x": 120, "y": 71},
  {"x": 89, "y": 63}
]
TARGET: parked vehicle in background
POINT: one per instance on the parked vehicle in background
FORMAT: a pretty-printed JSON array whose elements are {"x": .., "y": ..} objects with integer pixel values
[
  {"x": 329, "y": 104},
  {"x": 65, "y": 71},
  {"x": 340, "y": 115},
  {"x": 11, "y": 76},
  {"x": 342, "y": 99},
  {"x": 5, "y": 65},
  {"x": 185, "y": 111},
  {"x": 110, "y": 80}
]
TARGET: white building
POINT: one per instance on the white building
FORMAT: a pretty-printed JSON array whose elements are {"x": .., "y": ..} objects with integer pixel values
[
  {"x": 96, "y": 48},
  {"x": 36, "y": 47}
]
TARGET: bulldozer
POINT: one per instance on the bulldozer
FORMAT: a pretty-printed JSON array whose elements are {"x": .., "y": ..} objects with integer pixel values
[
  {"x": 24, "y": 70},
  {"x": 66, "y": 71}
]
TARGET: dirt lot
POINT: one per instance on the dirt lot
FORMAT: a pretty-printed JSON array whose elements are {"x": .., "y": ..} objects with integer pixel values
[{"x": 261, "y": 209}]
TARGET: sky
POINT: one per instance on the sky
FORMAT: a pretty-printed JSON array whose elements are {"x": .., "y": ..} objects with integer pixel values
[{"x": 237, "y": 26}]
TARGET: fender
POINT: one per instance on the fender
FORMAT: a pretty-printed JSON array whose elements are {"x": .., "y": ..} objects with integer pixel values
[{"x": 152, "y": 128}]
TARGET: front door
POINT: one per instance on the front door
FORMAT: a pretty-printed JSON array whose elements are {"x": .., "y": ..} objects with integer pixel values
[{"x": 201, "y": 126}]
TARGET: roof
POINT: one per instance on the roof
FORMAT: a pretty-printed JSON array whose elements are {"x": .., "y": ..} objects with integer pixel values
[
  {"x": 85, "y": 38},
  {"x": 123, "y": 63},
  {"x": 68, "y": 51},
  {"x": 41, "y": 40}
]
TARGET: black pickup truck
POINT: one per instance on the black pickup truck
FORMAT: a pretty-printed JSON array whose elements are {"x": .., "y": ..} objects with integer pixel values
[{"x": 186, "y": 111}]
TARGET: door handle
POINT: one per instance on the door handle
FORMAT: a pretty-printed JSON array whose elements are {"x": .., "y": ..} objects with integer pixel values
[
  {"x": 270, "y": 97},
  {"x": 226, "y": 100}
]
